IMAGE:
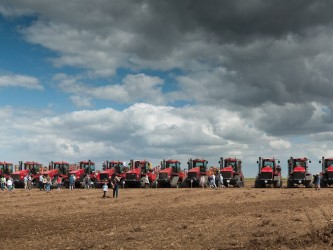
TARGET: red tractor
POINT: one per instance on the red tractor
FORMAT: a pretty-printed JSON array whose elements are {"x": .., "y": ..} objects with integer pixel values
[
  {"x": 298, "y": 172},
  {"x": 82, "y": 169},
  {"x": 59, "y": 168},
  {"x": 196, "y": 169},
  {"x": 6, "y": 169},
  {"x": 326, "y": 175},
  {"x": 111, "y": 169},
  {"x": 33, "y": 168},
  {"x": 231, "y": 171},
  {"x": 138, "y": 170},
  {"x": 269, "y": 173},
  {"x": 170, "y": 174}
]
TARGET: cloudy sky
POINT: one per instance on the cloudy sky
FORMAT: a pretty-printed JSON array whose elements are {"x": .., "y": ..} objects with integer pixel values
[{"x": 116, "y": 80}]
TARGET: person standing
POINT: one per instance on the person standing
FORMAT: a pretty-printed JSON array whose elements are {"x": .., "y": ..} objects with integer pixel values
[
  {"x": 105, "y": 189},
  {"x": 202, "y": 181},
  {"x": 212, "y": 182},
  {"x": 115, "y": 186},
  {"x": 71, "y": 182},
  {"x": 146, "y": 180},
  {"x": 221, "y": 181},
  {"x": 29, "y": 182},
  {"x": 3, "y": 182},
  {"x": 10, "y": 184},
  {"x": 25, "y": 181},
  {"x": 40, "y": 182},
  {"x": 48, "y": 184},
  {"x": 59, "y": 181},
  {"x": 317, "y": 181}
]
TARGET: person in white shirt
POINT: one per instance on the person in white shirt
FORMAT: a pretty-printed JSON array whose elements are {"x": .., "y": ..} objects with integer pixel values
[{"x": 9, "y": 184}]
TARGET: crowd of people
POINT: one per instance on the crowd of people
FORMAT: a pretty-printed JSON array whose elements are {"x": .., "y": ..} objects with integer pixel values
[
  {"x": 212, "y": 181},
  {"x": 46, "y": 183}
]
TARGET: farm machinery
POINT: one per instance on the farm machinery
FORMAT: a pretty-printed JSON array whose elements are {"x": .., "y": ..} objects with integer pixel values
[
  {"x": 33, "y": 168},
  {"x": 231, "y": 171},
  {"x": 269, "y": 173},
  {"x": 326, "y": 175},
  {"x": 298, "y": 172},
  {"x": 170, "y": 174},
  {"x": 81, "y": 169},
  {"x": 59, "y": 168},
  {"x": 196, "y": 169},
  {"x": 111, "y": 169},
  {"x": 138, "y": 171},
  {"x": 6, "y": 168}
]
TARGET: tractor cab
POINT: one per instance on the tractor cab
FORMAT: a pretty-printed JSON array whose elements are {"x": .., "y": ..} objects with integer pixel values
[
  {"x": 6, "y": 168},
  {"x": 327, "y": 165},
  {"x": 34, "y": 168},
  {"x": 117, "y": 165},
  {"x": 62, "y": 167},
  {"x": 88, "y": 166},
  {"x": 174, "y": 164}
]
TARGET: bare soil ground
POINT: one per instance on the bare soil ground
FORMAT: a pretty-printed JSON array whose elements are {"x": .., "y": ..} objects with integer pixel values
[{"x": 233, "y": 218}]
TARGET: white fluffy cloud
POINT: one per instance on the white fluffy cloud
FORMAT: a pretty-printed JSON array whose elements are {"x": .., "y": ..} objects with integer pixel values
[
  {"x": 21, "y": 81},
  {"x": 132, "y": 89}
]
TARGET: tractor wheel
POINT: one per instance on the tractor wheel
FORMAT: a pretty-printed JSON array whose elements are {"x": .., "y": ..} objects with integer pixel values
[
  {"x": 308, "y": 185},
  {"x": 257, "y": 184},
  {"x": 290, "y": 184},
  {"x": 323, "y": 183}
]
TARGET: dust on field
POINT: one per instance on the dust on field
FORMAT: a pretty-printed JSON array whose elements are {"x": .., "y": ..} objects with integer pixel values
[{"x": 245, "y": 218}]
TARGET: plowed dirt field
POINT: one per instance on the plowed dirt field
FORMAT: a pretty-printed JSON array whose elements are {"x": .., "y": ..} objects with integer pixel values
[{"x": 233, "y": 218}]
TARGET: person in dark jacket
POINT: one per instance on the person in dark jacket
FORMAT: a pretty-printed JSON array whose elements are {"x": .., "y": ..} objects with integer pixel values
[{"x": 115, "y": 186}]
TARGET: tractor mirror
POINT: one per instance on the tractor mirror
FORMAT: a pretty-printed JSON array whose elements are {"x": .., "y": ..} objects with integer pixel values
[
  {"x": 257, "y": 161},
  {"x": 278, "y": 161},
  {"x": 319, "y": 161}
]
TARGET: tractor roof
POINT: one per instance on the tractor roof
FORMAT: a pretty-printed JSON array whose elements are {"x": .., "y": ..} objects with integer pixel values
[
  {"x": 301, "y": 159},
  {"x": 60, "y": 162},
  {"x": 231, "y": 159},
  {"x": 32, "y": 163},
  {"x": 87, "y": 162},
  {"x": 5, "y": 163},
  {"x": 172, "y": 161},
  {"x": 199, "y": 160}
]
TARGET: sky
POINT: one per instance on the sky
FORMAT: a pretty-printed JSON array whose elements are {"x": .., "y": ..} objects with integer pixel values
[{"x": 154, "y": 80}]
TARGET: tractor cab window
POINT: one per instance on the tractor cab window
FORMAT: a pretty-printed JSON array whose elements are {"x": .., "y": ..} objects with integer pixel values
[
  {"x": 201, "y": 165},
  {"x": 118, "y": 167},
  {"x": 62, "y": 168},
  {"x": 328, "y": 163},
  {"x": 299, "y": 163},
  {"x": 268, "y": 163},
  {"x": 34, "y": 168},
  {"x": 232, "y": 164},
  {"x": 89, "y": 168},
  {"x": 175, "y": 166},
  {"x": 9, "y": 168}
]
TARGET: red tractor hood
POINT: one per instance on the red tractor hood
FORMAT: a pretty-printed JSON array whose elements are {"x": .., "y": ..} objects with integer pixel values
[
  {"x": 227, "y": 169},
  {"x": 329, "y": 169},
  {"x": 25, "y": 172},
  {"x": 76, "y": 171},
  {"x": 166, "y": 170},
  {"x": 194, "y": 170},
  {"x": 266, "y": 169},
  {"x": 299, "y": 169},
  {"x": 108, "y": 171},
  {"x": 134, "y": 171}
]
